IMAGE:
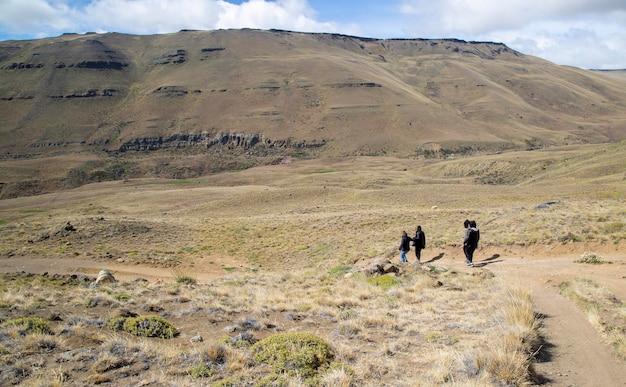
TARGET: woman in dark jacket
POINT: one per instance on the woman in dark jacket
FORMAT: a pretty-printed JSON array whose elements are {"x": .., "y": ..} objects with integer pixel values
[
  {"x": 405, "y": 246},
  {"x": 419, "y": 241}
]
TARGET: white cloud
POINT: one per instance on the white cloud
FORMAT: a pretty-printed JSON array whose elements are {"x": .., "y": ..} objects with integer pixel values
[
  {"x": 283, "y": 14},
  {"x": 157, "y": 16},
  {"x": 483, "y": 16},
  {"x": 151, "y": 16},
  {"x": 583, "y": 33},
  {"x": 20, "y": 15}
]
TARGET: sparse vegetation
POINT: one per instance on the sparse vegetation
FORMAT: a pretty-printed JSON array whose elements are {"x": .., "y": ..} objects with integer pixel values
[
  {"x": 183, "y": 277},
  {"x": 308, "y": 332},
  {"x": 27, "y": 325},
  {"x": 294, "y": 354},
  {"x": 150, "y": 326},
  {"x": 234, "y": 261},
  {"x": 591, "y": 258}
]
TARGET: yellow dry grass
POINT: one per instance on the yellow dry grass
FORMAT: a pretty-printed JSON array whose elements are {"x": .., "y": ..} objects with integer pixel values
[{"x": 281, "y": 249}]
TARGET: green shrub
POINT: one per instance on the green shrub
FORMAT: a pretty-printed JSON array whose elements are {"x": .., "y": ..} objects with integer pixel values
[
  {"x": 145, "y": 326},
  {"x": 200, "y": 371},
  {"x": 116, "y": 323},
  {"x": 28, "y": 325},
  {"x": 592, "y": 258},
  {"x": 150, "y": 326},
  {"x": 298, "y": 353},
  {"x": 384, "y": 281}
]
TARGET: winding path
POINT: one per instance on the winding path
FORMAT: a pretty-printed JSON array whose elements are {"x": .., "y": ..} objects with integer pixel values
[{"x": 574, "y": 353}]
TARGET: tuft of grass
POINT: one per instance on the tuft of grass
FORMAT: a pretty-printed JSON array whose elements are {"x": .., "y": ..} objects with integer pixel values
[
  {"x": 182, "y": 277},
  {"x": 591, "y": 258}
]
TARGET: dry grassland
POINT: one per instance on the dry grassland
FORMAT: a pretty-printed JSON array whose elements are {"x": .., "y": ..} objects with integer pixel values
[{"x": 242, "y": 256}]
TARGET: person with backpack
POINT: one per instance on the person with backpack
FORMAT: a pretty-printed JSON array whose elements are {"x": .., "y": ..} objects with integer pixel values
[
  {"x": 470, "y": 242},
  {"x": 405, "y": 247},
  {"x": 419, "y": 241}
]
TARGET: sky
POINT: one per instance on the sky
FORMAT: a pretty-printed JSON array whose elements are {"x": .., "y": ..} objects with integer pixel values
[{"x": 588, "y": 34}]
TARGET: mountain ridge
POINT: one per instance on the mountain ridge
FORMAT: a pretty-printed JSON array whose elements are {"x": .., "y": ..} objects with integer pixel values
[{"x": 249, "y": 97}]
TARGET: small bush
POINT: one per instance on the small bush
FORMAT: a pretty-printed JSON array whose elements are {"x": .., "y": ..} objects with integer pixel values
[
  {"x": 200, "y": 371},
  {"x": 146, "y": 326},
  {"x": 301, "y": 354},
  {"x": 116, "y": 323},
  {"x": 592, "y": 258},
  {"x": 183, "y": 278},
  {"x": 29, "y": 325},
  {"x": 150, "y": 326}
]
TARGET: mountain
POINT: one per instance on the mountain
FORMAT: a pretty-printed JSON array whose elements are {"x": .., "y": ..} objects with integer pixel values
[{"x": 82, "y": 108}]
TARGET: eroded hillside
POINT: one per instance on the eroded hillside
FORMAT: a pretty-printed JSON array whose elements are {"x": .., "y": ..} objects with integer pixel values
[{"x": 195, "y": 102}]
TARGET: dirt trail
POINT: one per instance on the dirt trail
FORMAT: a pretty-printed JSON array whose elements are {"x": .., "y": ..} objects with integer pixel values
[{"x": 574, "y": 353}]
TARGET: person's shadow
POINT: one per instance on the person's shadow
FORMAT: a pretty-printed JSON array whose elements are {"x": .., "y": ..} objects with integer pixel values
[
  {"x": 438, "y": 257},
  {"x": 488, "y": 261}
]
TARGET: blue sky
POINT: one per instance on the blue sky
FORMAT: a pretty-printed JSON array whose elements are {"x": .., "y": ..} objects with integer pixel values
[{"x": 582, "y": 33}]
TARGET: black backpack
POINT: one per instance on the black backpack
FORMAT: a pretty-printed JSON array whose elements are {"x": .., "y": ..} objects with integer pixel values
[{"x": 472, "y": 238}]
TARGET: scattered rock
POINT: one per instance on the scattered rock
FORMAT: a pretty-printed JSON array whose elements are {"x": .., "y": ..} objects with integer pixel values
[
  {"x": 196, "y": 339},
  {"x": 103, "y": 276},
  {"x": 65, "y": 230},
  {"x": 380, "y": 267}
]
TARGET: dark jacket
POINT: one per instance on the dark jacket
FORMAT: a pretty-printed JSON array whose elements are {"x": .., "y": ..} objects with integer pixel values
[
  {"x": 419, "y": 240},
  {"x": 472, "y": 236},
  {"x": 405, "y": 243}
]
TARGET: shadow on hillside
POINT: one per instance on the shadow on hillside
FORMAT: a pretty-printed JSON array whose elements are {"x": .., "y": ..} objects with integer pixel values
[{"x": 436, "y": 258}]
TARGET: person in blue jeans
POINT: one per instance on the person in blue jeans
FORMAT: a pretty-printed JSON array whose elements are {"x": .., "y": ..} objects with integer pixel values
[{"x": 405, "y": 246}]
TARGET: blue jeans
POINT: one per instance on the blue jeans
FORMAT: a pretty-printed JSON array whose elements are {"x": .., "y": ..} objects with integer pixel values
[{"x": 403, "y": 256}]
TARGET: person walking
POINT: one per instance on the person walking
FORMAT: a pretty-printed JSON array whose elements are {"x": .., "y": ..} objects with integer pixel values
[
  {"x": 466, "y": 224},
  {"x": 419, "y": 241},
  {"x": 470, "y": 242},
  {"x": 405, "y": 247}
]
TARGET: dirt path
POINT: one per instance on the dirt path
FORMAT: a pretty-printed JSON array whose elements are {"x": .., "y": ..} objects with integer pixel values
[{"x": 574, "y": 353}]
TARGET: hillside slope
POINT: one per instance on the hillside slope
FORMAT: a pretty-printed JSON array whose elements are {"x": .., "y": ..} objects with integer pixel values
[{"x": 234, "y": 98}]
